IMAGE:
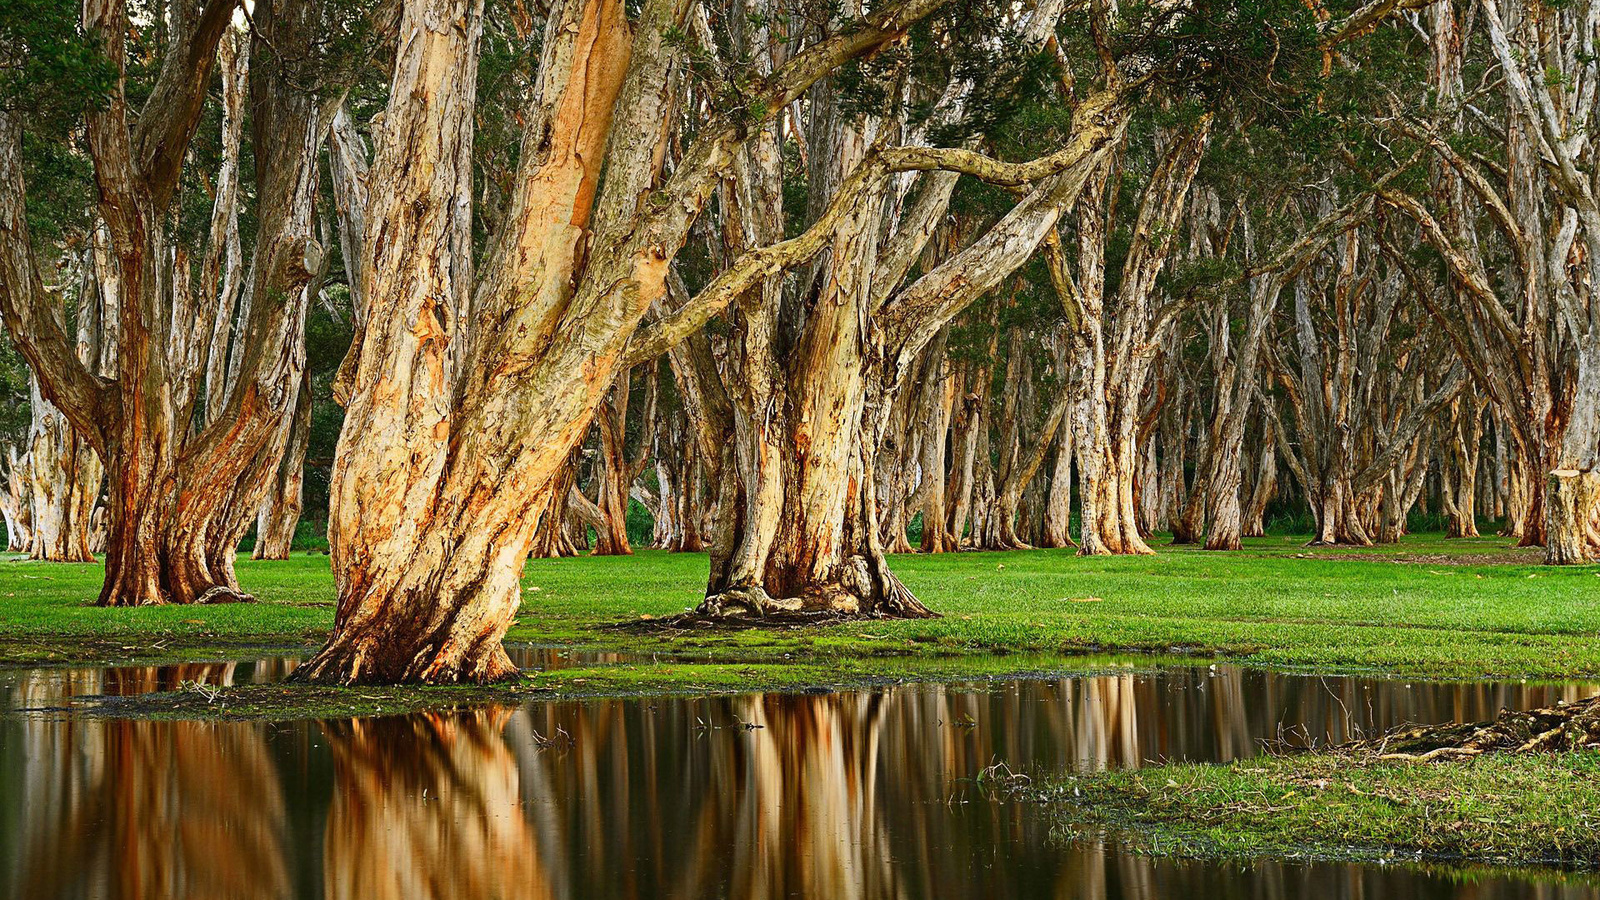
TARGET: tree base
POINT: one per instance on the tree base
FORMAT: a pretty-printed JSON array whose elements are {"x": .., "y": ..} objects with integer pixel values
[
  {"x": 369, "y": 660},
  {"x": 862, "y": 591},
  {"x": 124, "y": 596},
  {"x": 1572, "y": 517},
  {"x": 1102, "y": 549}
]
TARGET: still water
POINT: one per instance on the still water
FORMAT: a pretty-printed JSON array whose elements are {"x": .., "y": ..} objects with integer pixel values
[{"x": 859, "y": 794}]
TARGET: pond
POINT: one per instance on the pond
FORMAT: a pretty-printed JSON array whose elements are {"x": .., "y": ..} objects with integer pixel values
[{"x": 855, "y": 794}]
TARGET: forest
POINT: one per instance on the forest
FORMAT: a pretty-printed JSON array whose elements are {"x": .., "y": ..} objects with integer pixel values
[
  {"x": 346, "y": 325},
  {"x": 794, "y": 287}
]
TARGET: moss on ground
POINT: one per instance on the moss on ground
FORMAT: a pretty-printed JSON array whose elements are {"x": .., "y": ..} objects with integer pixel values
[{"x": 1499, "y": 809}]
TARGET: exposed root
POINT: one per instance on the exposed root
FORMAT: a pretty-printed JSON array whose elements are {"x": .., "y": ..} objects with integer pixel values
[
  {"x": 1570, "y": 726},
  {"x": 859, "y": 594},
  {"x": 347, "y": 660},
  {"x": 698, "y": 621},
  {"x": 224, "y": 594}
]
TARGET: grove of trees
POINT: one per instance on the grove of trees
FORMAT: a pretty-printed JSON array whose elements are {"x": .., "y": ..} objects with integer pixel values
[{"x": 802, "y": 284}]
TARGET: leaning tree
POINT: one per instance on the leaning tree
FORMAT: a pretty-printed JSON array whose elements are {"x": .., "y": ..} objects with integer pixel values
[
  {"x": 472, "y": 387},
  {"x": 193, "y": 419}
]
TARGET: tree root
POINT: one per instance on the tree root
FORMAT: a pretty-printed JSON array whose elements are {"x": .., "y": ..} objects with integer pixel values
[
  {"x": 223, "y": 594},
  {"x": 750, "y": 606},
  {"x": 1568, "y": 726}
]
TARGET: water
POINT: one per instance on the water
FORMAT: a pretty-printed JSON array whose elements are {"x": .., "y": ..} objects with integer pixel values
[{"x": 859, "y": 794}]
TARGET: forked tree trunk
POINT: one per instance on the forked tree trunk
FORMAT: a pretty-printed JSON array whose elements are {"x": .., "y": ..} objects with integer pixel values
[
  {"x": 179, "y": 497},
  {"x": 468, "y": 398},
  {"x": 811, "y": 542}
]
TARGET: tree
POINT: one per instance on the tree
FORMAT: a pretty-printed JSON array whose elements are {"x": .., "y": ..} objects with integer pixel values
[
  {"x": 189, "y": 444},
  {"x": 471, "y": 390}
]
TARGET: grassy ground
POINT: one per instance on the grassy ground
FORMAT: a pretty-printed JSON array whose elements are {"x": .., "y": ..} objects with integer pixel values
[
  {"x": 1500, "y": 809},
  {"x": 1427, "y": 607}
]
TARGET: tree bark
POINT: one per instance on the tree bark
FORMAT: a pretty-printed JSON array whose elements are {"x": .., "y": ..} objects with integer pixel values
[{"x": 279, "y": 516}]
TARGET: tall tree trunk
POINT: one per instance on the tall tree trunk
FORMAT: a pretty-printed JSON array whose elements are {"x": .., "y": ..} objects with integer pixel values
[
  {"x": 1058, "y": 505},
  {"x": 16, "y": 504},
  {"x": 1572, "y": 490},
  {"x": 64, "y": 475},
  {"x": 468, "y": 398},
  {"x": 812, "y": 542},
  {"x": 1265, "y": 485},
  {"x": 279, "y": 516}
]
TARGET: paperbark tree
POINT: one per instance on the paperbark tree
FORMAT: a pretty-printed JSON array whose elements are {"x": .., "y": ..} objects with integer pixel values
[
  {"x": 279, "y": 516},
  {"x": 1536, "y": 353},
  {"x": 180, "y": 497},
  {"x": 617, "y": 468},
  {"x": 470, "y": 391},
  {"x": 1357, "y": 392},
  {"x": 16, "y": 504},
  {"x": 1106, "y": 417}
]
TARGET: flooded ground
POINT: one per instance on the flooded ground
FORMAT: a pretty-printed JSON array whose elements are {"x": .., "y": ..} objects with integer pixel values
[{"x": 858, "y": 794}]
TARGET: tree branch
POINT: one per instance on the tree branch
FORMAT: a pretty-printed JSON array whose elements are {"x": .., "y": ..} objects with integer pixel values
[
  {"x": 170, "y": 116},
  {"x": 34, "y": 317}
]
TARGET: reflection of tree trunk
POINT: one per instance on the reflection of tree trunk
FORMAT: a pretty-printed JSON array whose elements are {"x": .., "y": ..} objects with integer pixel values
[
  {"x": 150, "y": 809},
  {"x": 443, "y": 818}
]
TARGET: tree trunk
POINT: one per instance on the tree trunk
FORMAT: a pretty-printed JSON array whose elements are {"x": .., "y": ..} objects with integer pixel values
[
  {"x": 16, "y": 503},
  {"x": 64, "y": 485},
  {"x": 1572, "y": 501},
  {"x": 1265, "y": 485},
  {"x": 279, "y": 516},
  {"x": 810, "y": 541},
  {"x": 1058, "y": 506},
  {"x": 1572, "y": 491}
]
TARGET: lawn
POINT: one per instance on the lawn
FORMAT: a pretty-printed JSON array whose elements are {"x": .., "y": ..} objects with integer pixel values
[{"x": 1424, "y": 608}]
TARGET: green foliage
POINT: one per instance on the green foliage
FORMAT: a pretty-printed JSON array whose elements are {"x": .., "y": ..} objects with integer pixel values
[
  {"x": 14, "y": 395},
  {"x": 50, "y": 71}
]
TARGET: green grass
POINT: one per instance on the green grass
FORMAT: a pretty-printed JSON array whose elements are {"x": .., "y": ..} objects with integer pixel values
[
  {"x": 1500, "y": 809},
  {"x": 1426, "y": 607}
]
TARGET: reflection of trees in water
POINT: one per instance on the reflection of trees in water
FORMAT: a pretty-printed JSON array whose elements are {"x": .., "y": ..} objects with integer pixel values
[
  {"x": 854, "y": 795},
  {"x": 118, "y": 808},
  {"x": 427, "y": 806},
  {"x": 648, "y": 802}
]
